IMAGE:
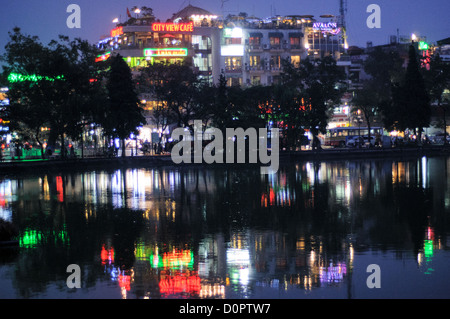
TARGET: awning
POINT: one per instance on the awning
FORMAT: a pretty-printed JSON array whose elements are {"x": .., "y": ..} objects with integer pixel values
[
  {"x": 275, "y": 35},
  {"x": 295, "y": 35},
  {"x": 255, "y": 35}
]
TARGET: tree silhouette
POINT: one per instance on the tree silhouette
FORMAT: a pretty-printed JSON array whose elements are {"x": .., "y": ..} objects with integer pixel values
[{"x": 123, "y": 115}]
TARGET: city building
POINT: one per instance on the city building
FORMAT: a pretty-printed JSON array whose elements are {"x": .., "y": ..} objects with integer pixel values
[{"x": 246, "y": 50}]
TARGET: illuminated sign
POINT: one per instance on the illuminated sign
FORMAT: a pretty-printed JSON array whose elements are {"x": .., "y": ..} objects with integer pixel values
[
  {"x": 330, "y": 27},
  {"x": 423, "y": 45},
  {"x": 116, "y": 32},
  {"x": 173, "y": 27},
  {"x": 232, "y": 33},
  {"x": 170, "y": 52},
  {"x": 103, "y": 57},
  {"x": 232, "y": 50}
]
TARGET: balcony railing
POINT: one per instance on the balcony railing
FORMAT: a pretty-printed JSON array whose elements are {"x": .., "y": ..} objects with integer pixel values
[{"x": 233, "y": 69}]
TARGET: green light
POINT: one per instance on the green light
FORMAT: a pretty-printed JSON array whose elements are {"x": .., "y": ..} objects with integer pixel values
[
  {"x": 30, "y": 239},
  {"x": 17, "y": 77},
  {"x": 165, "y": 52},
  {"x": 423, "y": 45},
  {"x": 428, "y": 248}
]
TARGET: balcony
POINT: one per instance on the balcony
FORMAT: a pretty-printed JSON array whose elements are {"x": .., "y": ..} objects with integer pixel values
[
  {"x": 296, "y": 47},
  {"x": 255, "y": 48},
  {"x": 233, "y": 69},
  {"x": 255, "y": 69},
  {"x": 276, "y": 48}
]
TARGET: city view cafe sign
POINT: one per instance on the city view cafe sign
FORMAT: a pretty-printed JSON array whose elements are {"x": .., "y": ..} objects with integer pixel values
[{"x": 172, "y": 27}]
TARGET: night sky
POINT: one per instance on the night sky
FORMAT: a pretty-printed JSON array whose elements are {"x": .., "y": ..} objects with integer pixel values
[{"x": 47, "y": 19}]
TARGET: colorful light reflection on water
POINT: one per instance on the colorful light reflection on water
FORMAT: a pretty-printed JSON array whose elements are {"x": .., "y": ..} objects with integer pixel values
[{"x": 308, "y": 231}]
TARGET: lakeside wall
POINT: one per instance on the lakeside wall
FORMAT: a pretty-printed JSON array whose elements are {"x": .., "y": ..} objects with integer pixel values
[{"x": 166, "y": 160}]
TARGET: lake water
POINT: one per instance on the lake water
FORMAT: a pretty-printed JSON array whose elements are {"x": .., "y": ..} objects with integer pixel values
[{"x": 309, "y": 231}]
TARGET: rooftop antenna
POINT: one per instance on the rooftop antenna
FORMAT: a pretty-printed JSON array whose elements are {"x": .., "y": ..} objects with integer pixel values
[
  {"x": 342, "y": 12},
  {"x": 221, "y": 6}
]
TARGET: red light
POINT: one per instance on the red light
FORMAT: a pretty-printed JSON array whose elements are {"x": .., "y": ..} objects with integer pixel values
[
  {"x": 60, "y": 188},
  {"x": 180, "y": 283}
]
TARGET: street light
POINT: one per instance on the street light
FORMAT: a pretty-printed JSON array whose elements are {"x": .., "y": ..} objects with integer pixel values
[
  {"x": 116, "y": 20},
  {"x": 359, "y": 120}
]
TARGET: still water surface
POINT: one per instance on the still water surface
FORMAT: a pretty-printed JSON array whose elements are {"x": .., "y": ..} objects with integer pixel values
[{"x": 309, "y": 231}]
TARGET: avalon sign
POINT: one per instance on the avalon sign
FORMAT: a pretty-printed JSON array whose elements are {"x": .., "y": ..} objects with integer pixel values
[{"x": 326, "y": 27}]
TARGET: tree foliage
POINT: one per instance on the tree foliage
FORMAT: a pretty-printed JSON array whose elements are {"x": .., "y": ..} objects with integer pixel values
[
  {"x": 50, "y": 85},
  {"x": 123, "y": 115}
]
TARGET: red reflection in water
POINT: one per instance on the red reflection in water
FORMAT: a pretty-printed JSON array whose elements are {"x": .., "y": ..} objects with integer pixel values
[
  {"x": 268, "y": 199},
  {"x": 180, "y": 283},
  {"x": 125, "y": 281},
  {"x": 107, "y": 255},
  {"x": 176, "y": 258},
  {"x": 59, "y": 188},
  {"x": 430, "y": 233}
]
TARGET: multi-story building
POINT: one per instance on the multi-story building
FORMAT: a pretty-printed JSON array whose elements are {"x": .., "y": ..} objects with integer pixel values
[{"x": 246, "y": 50}]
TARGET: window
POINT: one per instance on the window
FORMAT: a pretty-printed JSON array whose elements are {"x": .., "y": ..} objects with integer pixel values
[
  {"x": 254, "y": 40},
  {"x": 295, "y": 60},
  {"x": 255, "y": 61},
  {"x": 233, "y": 40},
  {"x": 274, "y": 41},
  {"x": 275, "y": 61},
  {"x": 234, "y": 81},
  {"x": 233, "y": 63},
  {"x": 295, "y": 41},
  {"x": 256, "y": 80}
]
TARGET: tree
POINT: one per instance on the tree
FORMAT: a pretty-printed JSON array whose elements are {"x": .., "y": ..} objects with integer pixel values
[
  {"x": 49, "y": 85},
  {"x": 414, "y": 97},
  {"x": 386, "y": 71},
  {"x": 437, "y": 80},
  {"x": 124, "y": 114},
  {"x": 367, "y": 100},
  {"x": 176, "y": 86}
]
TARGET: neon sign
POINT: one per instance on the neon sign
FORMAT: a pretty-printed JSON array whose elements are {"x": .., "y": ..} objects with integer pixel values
[
  {"x": 330, "y": 27},
  {"x": 175, "y": 52},
  {"x": 173, "y": 27},
  {"x": 103, "y": 57},
  {"x": 423, "y": 45},
  {"x": 16, "y": 77},
  {"x": 116, "y": 32}
]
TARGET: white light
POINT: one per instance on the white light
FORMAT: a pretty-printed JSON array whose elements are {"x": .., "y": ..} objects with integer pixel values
[
  {"x": 232, "y": 50},
  {"x": 116, "y": 20},
  {"x": 413, "y": 37}
]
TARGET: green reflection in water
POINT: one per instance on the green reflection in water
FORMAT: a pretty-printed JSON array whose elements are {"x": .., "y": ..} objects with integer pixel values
[{"x": 31, "y": 238}]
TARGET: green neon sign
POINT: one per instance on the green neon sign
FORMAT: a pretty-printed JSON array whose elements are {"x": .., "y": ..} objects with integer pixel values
[
  {"x": 165, "y": 52},
  {"x": 17, "y": 77},
  {"x": 423, "y": 45}
]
